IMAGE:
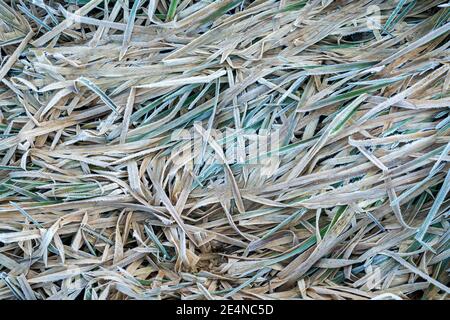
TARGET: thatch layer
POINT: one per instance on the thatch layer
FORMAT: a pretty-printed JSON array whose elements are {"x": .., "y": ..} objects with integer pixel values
[{"x": 104, "y": 194}]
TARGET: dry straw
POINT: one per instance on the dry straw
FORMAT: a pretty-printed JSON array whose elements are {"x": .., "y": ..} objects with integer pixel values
[{"x": 99, "y": 198}]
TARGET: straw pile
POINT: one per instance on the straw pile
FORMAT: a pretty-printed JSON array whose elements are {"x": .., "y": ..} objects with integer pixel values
[{"x": 99, "y": 200}]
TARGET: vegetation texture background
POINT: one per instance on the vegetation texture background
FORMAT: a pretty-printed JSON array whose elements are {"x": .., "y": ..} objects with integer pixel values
[{"x": 354, "y": 206}]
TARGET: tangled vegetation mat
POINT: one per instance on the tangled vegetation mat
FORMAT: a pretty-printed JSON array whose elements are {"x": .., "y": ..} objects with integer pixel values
[{"x": 230, "y": 149}]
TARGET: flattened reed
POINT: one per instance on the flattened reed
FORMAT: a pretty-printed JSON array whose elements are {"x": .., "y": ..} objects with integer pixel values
[{"x": 104, "y": 194}]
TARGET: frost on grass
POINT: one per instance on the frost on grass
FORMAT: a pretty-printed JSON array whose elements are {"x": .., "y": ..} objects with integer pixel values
[{"x": 230, "y": 149}]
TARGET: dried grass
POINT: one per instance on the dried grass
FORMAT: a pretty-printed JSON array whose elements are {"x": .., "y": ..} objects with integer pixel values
[{"x": 93, "y": 205}]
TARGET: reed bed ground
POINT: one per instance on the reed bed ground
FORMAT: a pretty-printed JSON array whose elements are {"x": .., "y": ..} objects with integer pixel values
[{"x": 230, "y": 149}]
